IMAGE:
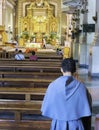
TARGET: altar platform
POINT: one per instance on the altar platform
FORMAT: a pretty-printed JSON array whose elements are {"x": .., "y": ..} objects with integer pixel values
[{"x": 34, "y": 45}]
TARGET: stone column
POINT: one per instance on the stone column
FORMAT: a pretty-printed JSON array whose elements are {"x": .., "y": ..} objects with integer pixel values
[
  {"x": 83, "y": 44},
  {"x": 94, "y": 50},
  {"x": 97, "y": 23}
]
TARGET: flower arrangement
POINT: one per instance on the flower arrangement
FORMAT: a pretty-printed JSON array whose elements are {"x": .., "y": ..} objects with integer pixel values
[
  {"x": 29, "y": 50},
  {"x": 24, "y": 35}
]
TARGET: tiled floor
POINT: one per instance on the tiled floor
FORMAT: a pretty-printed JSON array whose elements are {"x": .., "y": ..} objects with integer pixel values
[{"x": 93, "y": 86}]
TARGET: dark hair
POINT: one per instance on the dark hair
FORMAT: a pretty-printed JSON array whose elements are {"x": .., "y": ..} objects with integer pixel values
[
  {"x": 68, "y": 65},
  {"x": 20, "y": 51},
  {"x": 16, "y": 49},
  {"x": 33, "y": 52}
]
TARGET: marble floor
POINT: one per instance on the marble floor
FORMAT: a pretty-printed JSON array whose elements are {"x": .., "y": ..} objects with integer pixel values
[{"x": 92, "y": 83}]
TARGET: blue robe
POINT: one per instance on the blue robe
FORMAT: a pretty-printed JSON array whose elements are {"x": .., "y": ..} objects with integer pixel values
[{"x": 66, "y": 105}]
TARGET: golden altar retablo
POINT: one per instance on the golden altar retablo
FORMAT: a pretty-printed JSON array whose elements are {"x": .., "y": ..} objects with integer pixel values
[{"x": 39, "y": 23}]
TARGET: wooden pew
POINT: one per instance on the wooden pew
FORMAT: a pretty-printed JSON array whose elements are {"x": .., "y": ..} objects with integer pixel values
[
  {"x": 19, "y": 107},
  {"x": 30, "y": 68},
  {"x": 39, "y": 60},
  {"x": 49, "y": 55},
  {"x": 30, "y": 63},
  {"x": 32, "y": 97},
  {"x": 25, "y": 81},
  {"x": 25, "y": 125},
  {"x": 13, "y": 65},
  {"x": 45, "y": 56},
  {"x": 36, "y": 72},
  {"x": 23, "y": 106},
  {"x": 8, "y": 74}
]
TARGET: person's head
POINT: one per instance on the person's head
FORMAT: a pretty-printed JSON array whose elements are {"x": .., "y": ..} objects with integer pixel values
[
  {"x": 68, "y": 65},
  {"x": 16, "y": 50},
  {"x": 33, "y": 52},
  {"x": 20, "y": 51}
]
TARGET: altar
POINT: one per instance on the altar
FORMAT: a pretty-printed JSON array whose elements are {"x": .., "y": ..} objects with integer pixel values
[
  {"x": 34, "y": 45},
  {"x": 39, "y": 23}
]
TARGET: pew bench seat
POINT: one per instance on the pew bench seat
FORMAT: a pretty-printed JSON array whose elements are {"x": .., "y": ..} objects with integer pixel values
[
  {"x": 30, "y": 68},
  {"x": 20, "y": 106},
  {"x": 24, "y": 81},
  {"x": 25, "y": 125},
  {"x": 8, "y": 74},
  {"x": 22, "y": 93},
  {"x": 26, "y": 113}
]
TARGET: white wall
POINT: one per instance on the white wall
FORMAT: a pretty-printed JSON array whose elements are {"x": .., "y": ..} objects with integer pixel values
[
  {"x": 91, "y": 10},
  {"x": 95, "y": 61}
]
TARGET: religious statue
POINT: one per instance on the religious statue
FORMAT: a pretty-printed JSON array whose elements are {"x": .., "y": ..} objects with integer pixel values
[
  {"x": 25, "y": 24},
  {"x": 3, "y": 35},
  {"x": 53, "y": 24},
  {"x": 53, "y": 27}
]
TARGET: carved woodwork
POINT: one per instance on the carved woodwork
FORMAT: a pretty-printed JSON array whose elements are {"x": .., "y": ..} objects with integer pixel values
[{"x": 39, "y": 21}]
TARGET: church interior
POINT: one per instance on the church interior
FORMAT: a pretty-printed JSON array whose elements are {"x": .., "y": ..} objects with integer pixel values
[
  {"x": 46, "y": 27},
  {"x": 31, "y": 24}
]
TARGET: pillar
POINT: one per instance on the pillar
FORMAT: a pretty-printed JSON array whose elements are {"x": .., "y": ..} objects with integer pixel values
[
  {"x": 94, "y": 50},
  {"x": 83, "y": 49}
]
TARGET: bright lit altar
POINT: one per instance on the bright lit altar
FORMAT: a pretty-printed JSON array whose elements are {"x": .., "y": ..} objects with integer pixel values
[
  {"x": 39, "y": 25},
  {"x": 34, "y": 45}
]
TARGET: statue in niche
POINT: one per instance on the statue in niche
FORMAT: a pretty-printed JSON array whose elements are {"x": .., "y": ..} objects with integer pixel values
[
  {"x": 4, "y": 37},
  {"x": 39, "y": 38},
  {"x": 25, "y": 24},
  {"x": 53, "y": 27}
]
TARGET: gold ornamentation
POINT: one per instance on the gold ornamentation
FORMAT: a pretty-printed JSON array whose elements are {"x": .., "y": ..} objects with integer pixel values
[
  {"x": 3, "y": 35},
  {"x": 39, "y": 20}
]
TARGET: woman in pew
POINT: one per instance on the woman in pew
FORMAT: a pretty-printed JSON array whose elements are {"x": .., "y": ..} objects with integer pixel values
[
  {"x": 67, "y": 101},
  {"x": 33, "y": 56}
]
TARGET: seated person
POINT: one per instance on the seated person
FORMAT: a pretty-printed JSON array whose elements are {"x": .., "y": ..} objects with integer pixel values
[
  {"x": 63, "y": 101},
  {"x": 33, "y": 56},
  {"x": 19, "y": 55},
  {"x": 59, "y": 51}
]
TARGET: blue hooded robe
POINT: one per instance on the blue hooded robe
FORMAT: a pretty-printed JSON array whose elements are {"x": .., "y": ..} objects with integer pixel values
[{"x": 66, "y": 105}]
